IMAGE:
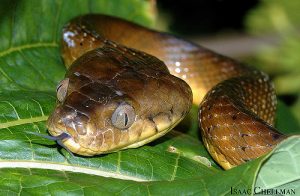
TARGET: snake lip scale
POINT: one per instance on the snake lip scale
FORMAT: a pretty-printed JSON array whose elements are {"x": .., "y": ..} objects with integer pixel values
[{"x": 127, "y": 85}]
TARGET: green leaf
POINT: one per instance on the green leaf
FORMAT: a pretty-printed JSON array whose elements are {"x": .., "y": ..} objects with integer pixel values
[
  {"x": 281, "y": 171},
  {"x": 279, "y": 19},
  {"x": 242, "y": 178},
  {"x": 285, "y": 120},
  {"x": 280, "y": 16},
  {"x": 30, "y": 68}
]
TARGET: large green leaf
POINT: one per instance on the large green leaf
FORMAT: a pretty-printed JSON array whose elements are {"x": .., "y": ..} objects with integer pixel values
[
  {"x": 282, "y": 170},
  {"x": 30, "y": 67},
  {"x": 238, "y": 180}
]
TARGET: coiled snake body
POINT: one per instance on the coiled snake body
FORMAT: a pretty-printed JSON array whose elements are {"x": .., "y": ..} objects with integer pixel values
[{"x": 117, "y": 96}]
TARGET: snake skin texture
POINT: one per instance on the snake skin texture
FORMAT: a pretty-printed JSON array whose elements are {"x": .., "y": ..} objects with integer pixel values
[{"x": 111, "y": 61}]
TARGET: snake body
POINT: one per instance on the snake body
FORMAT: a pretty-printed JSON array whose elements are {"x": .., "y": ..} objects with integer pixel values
[{"x": 127, "y": 85}]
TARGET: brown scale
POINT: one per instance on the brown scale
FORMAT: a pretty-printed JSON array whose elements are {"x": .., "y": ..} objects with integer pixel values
[
  {"x": 230, "y": 123},
  {"x": 237, "y": 102}
]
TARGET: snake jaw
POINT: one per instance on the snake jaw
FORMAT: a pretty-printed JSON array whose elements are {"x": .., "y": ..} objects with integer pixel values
[
  {"x": 59, "y": 139},
  {"x": 141, "y": 132},
  {"x": 65, "y": 137}
]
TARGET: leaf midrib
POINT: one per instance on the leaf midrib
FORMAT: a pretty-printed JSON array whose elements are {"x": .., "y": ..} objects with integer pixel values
[
  {"x": 23, "y": 121},
  {"x": 64, "y": 167},
  {"x": 27, "y": 46}
]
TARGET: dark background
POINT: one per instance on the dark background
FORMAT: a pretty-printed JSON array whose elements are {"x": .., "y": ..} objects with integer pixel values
[{"x": 194, "y": 17}]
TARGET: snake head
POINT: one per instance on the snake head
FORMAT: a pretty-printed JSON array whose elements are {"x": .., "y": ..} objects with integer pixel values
[{"x": 115, "y": 98}]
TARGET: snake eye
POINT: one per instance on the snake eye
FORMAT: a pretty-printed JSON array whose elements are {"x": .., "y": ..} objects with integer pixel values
[
  {"x": 61, "y": 89},
  {"x": 123, "y": 116}
]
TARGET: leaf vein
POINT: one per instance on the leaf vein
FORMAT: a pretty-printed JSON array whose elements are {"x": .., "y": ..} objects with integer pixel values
[
  {"x": 42, "y": 111},
  {"x": 32, "y": 65},
  {"x": 63, "y": 167},
  {"x": 27, "y": 46},
  {"x": 23, "y": 121},
  {"x": 175, "y": 167},
  {"x": 17, "y": 115},
  {"x": 118, "y": 162}
]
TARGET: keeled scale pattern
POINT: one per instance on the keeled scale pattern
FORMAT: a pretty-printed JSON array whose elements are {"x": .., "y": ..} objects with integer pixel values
[{"x": 235, "y": 116}]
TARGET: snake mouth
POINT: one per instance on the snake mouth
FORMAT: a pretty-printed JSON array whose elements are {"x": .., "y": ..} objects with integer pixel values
[
  {"x": 59, "y": 139},
  {"x": 82, "y": 136}
]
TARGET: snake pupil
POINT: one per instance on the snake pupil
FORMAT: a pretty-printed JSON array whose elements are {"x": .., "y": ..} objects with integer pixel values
[
  {"x": 123, "y": 116},
  {"x": 126, "y": 120}
]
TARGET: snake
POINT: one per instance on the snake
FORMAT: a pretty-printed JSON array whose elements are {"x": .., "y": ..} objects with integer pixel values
[{"x": 127, "y": 85}]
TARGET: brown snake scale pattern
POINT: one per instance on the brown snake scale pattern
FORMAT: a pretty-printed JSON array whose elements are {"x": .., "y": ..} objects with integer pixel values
[{"x": 110, "y": 70}]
